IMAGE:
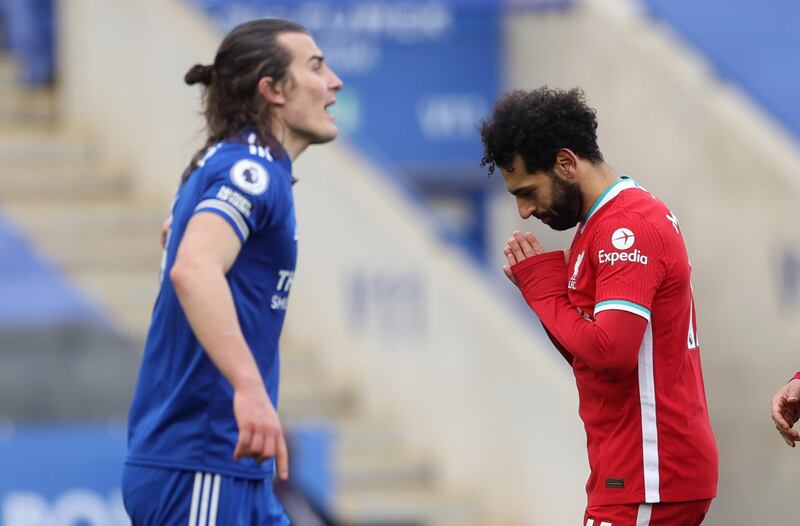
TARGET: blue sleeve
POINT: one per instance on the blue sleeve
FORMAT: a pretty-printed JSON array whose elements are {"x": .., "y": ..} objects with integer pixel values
[{"x": 240, "y": 190}]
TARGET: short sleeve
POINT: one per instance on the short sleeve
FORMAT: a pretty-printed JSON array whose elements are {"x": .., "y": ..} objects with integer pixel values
[
  {"x": 631, "y": 263},
  {"x": 241, "y": 192}
]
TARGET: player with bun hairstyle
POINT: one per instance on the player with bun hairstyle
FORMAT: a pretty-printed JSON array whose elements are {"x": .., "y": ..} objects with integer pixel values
[{"x": 204, "y": 437}]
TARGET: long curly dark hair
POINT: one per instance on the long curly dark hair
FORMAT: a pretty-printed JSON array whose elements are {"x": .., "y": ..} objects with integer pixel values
[
  {"x": 231, "y": 101},
  {"x": 536, "y": 124}
]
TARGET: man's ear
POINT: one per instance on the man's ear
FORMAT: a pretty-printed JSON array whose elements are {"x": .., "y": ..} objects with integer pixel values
[
  {"x": 273, "y": 93},
  {"x": 566, "y": 164}
]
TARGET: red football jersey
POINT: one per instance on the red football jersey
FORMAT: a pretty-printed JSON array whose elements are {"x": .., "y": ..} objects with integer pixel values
[{"x": 649, "y": 436}]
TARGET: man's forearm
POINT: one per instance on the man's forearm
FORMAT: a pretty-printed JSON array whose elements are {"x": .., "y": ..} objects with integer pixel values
[
  {"x": 609, "y": 344},
  {"x": 559, "y": 346},
  {"x": 206, "y": 300}
]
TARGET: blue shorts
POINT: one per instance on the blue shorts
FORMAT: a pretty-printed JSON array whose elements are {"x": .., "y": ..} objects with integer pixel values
[{"x": 163, "y": 497}]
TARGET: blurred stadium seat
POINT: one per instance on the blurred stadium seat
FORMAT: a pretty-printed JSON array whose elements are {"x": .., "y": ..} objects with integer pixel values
[{"x": 28, "y": 31}]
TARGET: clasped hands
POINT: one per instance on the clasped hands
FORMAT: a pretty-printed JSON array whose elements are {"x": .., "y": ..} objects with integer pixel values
[{"x": 522, "y": 246}]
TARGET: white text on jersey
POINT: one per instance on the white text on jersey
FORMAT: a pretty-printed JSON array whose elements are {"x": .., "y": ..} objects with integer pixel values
[{"x": 635, "y": 257}]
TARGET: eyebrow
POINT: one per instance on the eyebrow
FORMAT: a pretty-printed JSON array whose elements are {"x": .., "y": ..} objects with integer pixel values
[{"x": 517, "y": 191}]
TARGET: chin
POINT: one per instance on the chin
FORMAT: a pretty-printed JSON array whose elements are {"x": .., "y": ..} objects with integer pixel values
[
  {"x": 327, "y": 134},
  {"x": 561, "y": 225}
]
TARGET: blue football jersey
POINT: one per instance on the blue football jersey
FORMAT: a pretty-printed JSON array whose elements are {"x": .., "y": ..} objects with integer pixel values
[{"x": 182, "y": 411}]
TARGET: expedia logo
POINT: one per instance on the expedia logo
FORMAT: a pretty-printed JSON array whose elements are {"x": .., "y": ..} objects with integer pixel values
[
  {"x": 634, "y": 257},
  {"x": 622, "y": 239}
]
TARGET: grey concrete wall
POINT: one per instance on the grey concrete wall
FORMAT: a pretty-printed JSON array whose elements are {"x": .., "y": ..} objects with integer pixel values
[{"x": 121, "y": 67}]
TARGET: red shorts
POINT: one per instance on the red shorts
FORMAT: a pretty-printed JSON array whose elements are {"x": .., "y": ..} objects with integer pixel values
[{"x": 689, "y": 513}]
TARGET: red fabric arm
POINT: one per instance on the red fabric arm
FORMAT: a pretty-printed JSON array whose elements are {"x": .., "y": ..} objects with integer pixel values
[
  {"x": 608, "y": 344},
  {"x": 560, "y": 347}
]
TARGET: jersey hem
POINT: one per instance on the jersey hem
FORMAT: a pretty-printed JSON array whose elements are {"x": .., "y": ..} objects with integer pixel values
[
  {"x": 638, "y": 498},
  {"x": 205, "y": 468}
]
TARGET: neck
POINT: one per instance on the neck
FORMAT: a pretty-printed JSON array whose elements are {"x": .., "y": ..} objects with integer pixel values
[
  {"x": 294, "y": 146},
  {"x": 597, "y": 179},
  {"x": 291, "y": 142}
]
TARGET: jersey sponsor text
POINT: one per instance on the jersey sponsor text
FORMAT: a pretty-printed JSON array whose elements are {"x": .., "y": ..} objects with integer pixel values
[{"x": 613, "y": 257}]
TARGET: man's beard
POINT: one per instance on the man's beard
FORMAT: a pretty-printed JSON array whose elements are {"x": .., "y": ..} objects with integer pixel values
[{"x": 565, "y": 208}]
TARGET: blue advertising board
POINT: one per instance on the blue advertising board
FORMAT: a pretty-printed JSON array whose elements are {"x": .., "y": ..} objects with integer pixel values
[
  {"x": 61, "y": 476},
  {"x": 71, "y": 475},
  {"x": 753, "y": 44},
  {"x": 419, "y": 74}
]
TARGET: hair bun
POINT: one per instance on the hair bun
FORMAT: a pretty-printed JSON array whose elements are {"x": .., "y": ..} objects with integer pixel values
[{"x": 199, "y": 73}]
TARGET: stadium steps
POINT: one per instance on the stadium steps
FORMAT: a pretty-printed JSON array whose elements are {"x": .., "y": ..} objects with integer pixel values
[
  {"x": 378, "y": 479},
  {"x": 106, "y": 243},
  {"x": 92, "y": 235},
  {"x": 28, "y": 105},
  {"x": 77, "y": 207},
  {"x": 411, "y": 506}
]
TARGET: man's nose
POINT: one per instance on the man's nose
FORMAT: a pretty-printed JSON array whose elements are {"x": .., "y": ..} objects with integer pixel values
[
  {"x": 335, "y": 83},
  {"x": 525, "y": 209}
]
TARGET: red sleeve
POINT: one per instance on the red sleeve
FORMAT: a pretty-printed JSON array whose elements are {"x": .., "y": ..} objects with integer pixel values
[
  {"x": 797, "y": 377},
  {"x": 559, "y": 346},
  {"x": 610, "y": 343},
  {"x": 631, "y": 262}
]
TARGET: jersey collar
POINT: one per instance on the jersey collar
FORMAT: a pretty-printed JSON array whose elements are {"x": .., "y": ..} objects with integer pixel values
[{"x": 624, "y": 183}]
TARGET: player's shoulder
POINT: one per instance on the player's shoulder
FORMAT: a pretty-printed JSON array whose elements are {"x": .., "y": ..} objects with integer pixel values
[
  {"x": 635, "y": 216},
  {"x": 639, "y": 206},
  {"x": 249, "y": 167}
]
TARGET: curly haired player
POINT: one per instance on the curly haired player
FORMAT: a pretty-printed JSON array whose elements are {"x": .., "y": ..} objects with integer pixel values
[{"x": 618, "y": 305}]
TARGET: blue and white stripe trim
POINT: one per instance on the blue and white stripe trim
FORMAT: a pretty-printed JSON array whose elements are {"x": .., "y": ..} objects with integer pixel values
[
  {"x": 627, "y": 306},
  {"x": 205, "y": 500},
  {"x": 625, "y": 183},
  {"x": 229, "y": 211}
]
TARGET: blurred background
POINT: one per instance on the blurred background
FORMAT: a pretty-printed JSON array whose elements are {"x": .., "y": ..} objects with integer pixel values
[{"x": 417, "y": 387}]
